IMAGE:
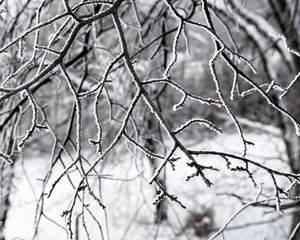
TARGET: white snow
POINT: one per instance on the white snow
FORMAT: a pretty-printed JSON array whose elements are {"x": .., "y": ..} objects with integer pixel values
[{"x": 129, "y": 208}]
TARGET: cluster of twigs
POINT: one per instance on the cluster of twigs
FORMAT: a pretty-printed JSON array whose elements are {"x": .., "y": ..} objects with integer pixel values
[{"x": 51, "y": 60}]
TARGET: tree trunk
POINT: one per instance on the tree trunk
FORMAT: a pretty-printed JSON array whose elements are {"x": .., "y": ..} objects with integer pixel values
[
  {"x": 6, "y": 170},
  {"x": 292, "y": 143},
  {"x": 161, "y": 207},
  {"x": 6, "y": 183},
  {"x": 292, "y": 101},
  {"x": 6, "y": 177}
]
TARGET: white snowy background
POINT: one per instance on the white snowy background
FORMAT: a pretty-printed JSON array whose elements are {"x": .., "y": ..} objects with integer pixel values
[{"x": 128, "y": 197}]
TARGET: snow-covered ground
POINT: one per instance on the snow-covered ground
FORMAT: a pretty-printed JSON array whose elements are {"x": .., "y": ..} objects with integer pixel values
[{"x": 128, "y": 197}]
